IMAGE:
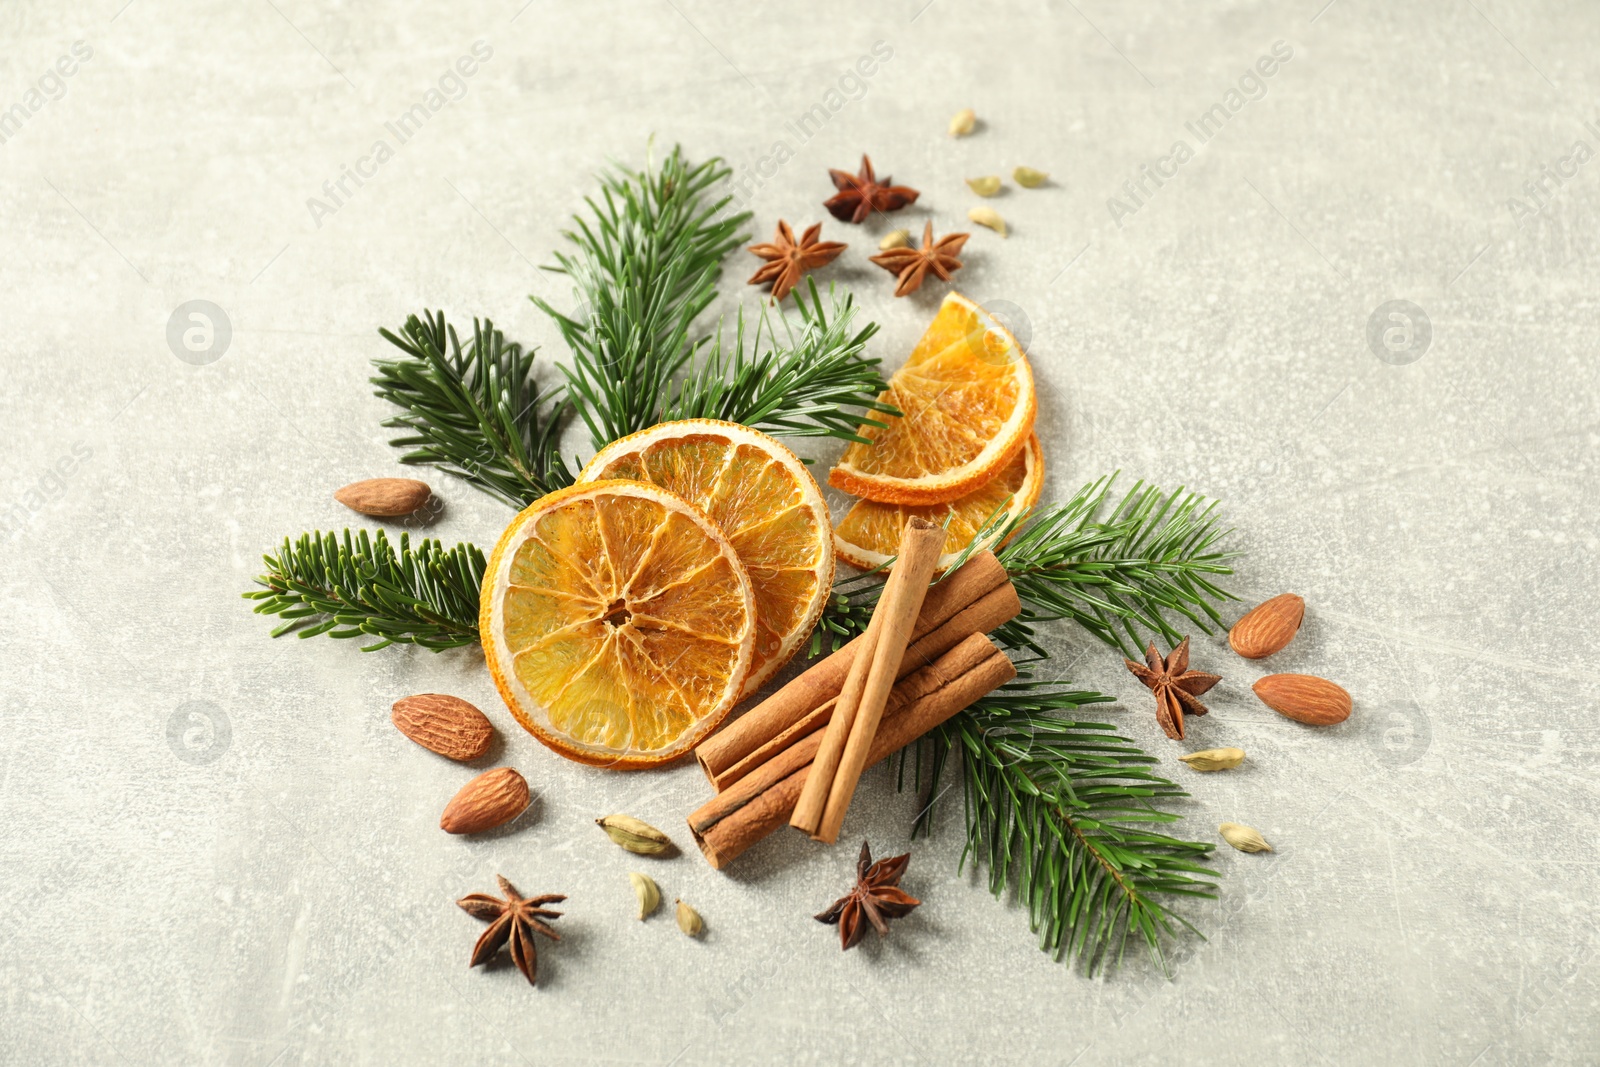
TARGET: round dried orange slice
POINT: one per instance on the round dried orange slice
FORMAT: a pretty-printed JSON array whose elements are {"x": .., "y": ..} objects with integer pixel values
[
  {"x": 967, "y": 402},
  {"x": 868, "y": 536},
  {"x": 765, "y": 502},
  {"x": 617, "y": 622}
]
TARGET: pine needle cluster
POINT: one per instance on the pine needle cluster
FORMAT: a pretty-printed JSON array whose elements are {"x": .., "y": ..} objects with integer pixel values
[
  {"x": 1125, "y": 574},
  {"x": 645, "y": 265},
  {"x": 1065, "y": 813},
  {"x": 360, "y": 586},
  {"x": 813, "y": 380},
  {"x": 474, "y": 411},
  {"x": 1152, "y": 560}
]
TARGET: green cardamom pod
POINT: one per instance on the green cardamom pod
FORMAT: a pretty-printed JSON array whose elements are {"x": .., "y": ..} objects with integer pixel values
[
  {"x": 649, "y": 894},
  {"x": 1029, "y": 178},
  {"x": 988, "y": 216},
  {"x": 635, "y": 835},
  {"x": 689, "y": 920},
  {"x": 1214, "y": 759},
  {"x": 986, "y": 186},
  {"x": 1244, "y": 838}
]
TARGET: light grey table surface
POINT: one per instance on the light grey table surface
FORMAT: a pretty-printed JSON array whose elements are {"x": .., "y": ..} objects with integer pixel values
[{"x": 272, "y": 888}]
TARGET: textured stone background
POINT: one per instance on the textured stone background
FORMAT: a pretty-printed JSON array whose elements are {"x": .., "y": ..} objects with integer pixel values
[{"x": 217, "y": 850}]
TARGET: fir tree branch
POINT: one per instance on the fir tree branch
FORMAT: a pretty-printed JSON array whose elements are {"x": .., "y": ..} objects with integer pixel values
[
  {"x": 1064, "y": 810},
  {"x": 354, "y": 587},
  {"x": 474, "y": 411},
  {"x": 646, "y": 266},
  {"x": 811, "y": 383},
  {"x": 1155, "y": 553}
]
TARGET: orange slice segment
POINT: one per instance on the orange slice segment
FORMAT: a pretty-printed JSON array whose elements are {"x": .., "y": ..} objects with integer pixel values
[
  {"x": 617, "y": 622},
  {"x": 966, "y": 393},
  {"x": 765, "y": 502},
  {"x": 868, "y": 536}
]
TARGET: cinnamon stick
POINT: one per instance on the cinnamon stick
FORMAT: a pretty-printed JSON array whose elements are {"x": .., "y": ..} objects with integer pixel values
[
  {"x": 841, "y": 757},
  {"x": 998, "y": 606},
  {"x": 958, "y": 592},
  {"x": 808, "y": 812},
  {"x": 920, "y": 546},
  {"x": 750, "y": 809},
  {"x": 946, "y": 671}
]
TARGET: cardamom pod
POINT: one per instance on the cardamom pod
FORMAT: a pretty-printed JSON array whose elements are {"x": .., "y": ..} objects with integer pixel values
[
  {"x": 985, "y": 186},
  {"x": 1244, "y": 838},
  {"x": 988, "y": 216},
  {"x": 689, "y": 920},
  {"x": 895, "y": 239},
  {"x": 1029, "y": 178},
  {"x": 635, "y": 835},
  {"x": 1214, "y": 759},
  {"x": 649, "y": 894},
  {"x": 963, "y": 122}
]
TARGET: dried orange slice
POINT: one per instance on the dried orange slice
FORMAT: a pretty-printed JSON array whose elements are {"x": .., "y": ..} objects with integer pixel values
[
  {"x": 765, "y": 502},
  {"x": 617, "y": 622},
  {"x": 966, "y": 393},
  {"x": 868, "y": 536}
]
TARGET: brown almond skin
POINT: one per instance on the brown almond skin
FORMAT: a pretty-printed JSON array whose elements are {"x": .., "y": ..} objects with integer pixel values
[
  {"x": 384, "y": 497},
  {"x": 1268, "y": 627},
  {"x": 492, "y": 798},
  {"x": 1304, "y": 698},
  {"x": 444, "y": 724}
]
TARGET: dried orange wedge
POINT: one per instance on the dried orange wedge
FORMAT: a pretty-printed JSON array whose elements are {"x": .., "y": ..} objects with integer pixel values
[
  {"x": 763, "y": 499},
  {"x": 966, "y": 394},
  {"x": 868, "y": 536},
  {"x": 617, "y": 622}
]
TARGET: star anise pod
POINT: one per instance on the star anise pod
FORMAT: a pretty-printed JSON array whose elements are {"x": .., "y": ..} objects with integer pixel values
[
  {"x": 861, "y": 194},
  {"x": 913, "y": 264},
  {"x": 876, "y": 897},
  {"x": 513, "y": 919},
  {"x": 787, "y": 261},
  {"x": 1176, "y": 687}
]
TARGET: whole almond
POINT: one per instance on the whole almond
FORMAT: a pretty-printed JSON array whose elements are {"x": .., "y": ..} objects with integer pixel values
[
  {"x": 1268, "y": 627},
  {"x": 1304, "y": 698},
  {"x": 492, "y": 798},
  {"x": 384, "y": 497},
  {"x": 444, "y": 724}
]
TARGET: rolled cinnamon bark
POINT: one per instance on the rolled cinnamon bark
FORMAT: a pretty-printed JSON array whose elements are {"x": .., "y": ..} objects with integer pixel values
[
  {"x": 859, "y": 709},
  {"x": 977, "y": 597},
  {"x": 996, "y": 607},
  {"x": 750, "y": 809},
  {"x": 926, "y": 682},
  {"x": 848, "y": 742}
]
